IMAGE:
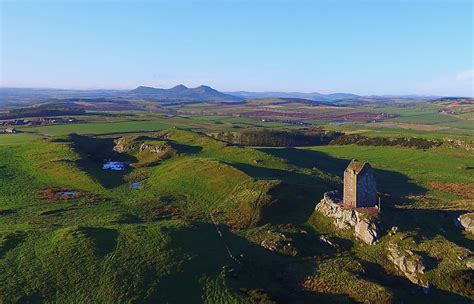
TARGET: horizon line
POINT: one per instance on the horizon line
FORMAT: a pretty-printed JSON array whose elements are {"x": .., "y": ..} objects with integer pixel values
[{"x": 236, "y": 91}]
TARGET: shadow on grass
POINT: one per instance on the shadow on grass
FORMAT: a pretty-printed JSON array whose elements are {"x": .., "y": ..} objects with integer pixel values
[
  {"x": 94, "y": 152},
  {"x": 292, "y": 203},
  {"x": 427, "y": 224},
  {"x": 282, "y": 276},
  {"x": 269, "y": 173},
  {"x": 294, "y": 199},
  {"x": 104, "y": 239},
  {"x": 393, "y": 183},
  {"x": 404, "y": 290},
  {"x": 186, "y": 149},
  {"x": 429, "y": 262},
  {"x": 9, "y": 242},
  {"x": 258, "y": 274},
  {"x": 193, "y": 265}
]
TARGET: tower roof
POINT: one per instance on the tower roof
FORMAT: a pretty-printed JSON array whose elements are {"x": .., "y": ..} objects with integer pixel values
[{"x": 356, "y": 166}]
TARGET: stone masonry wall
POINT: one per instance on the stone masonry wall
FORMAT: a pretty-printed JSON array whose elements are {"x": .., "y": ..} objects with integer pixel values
[
  {"x": 366, "y": 189},
  {"x": 349, "y": 188}
]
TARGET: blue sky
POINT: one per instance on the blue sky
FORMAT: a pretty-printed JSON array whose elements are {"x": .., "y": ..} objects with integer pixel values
[{"x": 363, "y": 47}]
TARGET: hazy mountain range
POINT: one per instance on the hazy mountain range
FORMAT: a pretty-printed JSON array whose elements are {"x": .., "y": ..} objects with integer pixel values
[
  {"x": 311, "y": 96},
  {"x": 181, "y": 93}
]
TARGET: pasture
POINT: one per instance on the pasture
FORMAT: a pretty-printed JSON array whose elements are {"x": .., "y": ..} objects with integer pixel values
[{"x": 194, "y": 226}]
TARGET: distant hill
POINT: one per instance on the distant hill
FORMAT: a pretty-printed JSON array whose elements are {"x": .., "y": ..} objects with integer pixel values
[
  {"x": 311, "y": 96},
  {"x": 454, "y": 100},
  {"x": 21, "y": 97},
  {"x": 341, "y": 96},
  {"x": 344, "y": 98},
  {"x": 183, "y": 93},
  {"x": 30, "y": 96},
  {"x": 283, "y": 100}
]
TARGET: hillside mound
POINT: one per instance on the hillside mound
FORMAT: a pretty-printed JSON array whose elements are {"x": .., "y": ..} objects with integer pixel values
[{"x": 220, "y": 192}]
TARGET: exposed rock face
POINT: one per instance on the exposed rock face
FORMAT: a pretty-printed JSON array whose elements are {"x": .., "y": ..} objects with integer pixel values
[
  {"x": 470, "y": 265},
  {"x": 409, "y": 263},
  {"x": 125, "y": 143},
  {"x": 154, "y": 149},
  {"x": 467, "y": 222},
  {"x": 364, "y": 229}
]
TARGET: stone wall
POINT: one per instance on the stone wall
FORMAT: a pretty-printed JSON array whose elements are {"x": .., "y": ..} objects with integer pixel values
[
  {"x": 350, "y": 180},
  {"x": 366, "y": 189}
]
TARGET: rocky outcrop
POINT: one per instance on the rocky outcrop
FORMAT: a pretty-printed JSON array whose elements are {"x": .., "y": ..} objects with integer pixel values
[
  {"x": 279, "y": 246},
  {"x": 466, "y": 221},
  {"x": 470, "y": 265},
  {"x": 459, "y": 143},
  {"x": 129, "y": 143},
  {"x": 154, "y": 148},
  {"x": 365, "y": 229},
  {"x": 279, "y": 242},
  {"x": 126, "y": 143},
  {"x": 409, "y": 263}
]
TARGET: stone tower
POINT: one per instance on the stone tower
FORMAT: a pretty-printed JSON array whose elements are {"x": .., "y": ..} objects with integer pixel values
[{"x": 360, "y": 188}]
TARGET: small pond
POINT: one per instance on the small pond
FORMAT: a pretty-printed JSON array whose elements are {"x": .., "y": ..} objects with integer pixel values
[
  {"x": 135, "y": 186},
  {"x": 114, "y": 165},
  {"x": 68, "y": 194}
]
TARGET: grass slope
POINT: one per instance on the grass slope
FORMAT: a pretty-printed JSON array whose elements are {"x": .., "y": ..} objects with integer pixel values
[{"x": 192, "y": 232}]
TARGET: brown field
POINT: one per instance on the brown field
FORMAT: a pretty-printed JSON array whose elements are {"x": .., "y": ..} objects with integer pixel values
[
  {"x": 465, "y": 190},
  {"x": 410, "y": 126}
]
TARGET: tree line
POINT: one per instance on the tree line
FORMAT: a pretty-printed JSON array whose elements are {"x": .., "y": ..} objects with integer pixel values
[
  {"x": 278, "y": 138},
  {"x": 411, "y": 142},
  {"x": 42, "y": 112},
  {"x": 316, "y": 137}
]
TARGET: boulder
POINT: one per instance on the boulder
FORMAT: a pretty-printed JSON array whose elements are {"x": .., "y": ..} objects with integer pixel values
[
  {"x": 366, "y": 231},
  {"x": 409, "y": 263},
  {"x": 393, "y": 230},
  {"x": 466, "y": 221},
  {"x": 470, "y": 265},
  {"x": 326, "y": 241},
  {"x": 364, "y": 228}
]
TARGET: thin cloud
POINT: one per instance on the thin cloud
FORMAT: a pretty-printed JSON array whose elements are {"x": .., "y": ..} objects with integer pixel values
[{"x": 465, "y": 76}]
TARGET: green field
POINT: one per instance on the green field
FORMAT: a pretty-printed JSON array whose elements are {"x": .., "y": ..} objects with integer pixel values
[
  {"x": 193, "y": 231},
  {"x": 98, "y": 128}
]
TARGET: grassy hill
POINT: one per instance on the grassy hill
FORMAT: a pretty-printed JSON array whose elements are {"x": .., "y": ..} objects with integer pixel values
[{"x": 193, "y": 230}]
